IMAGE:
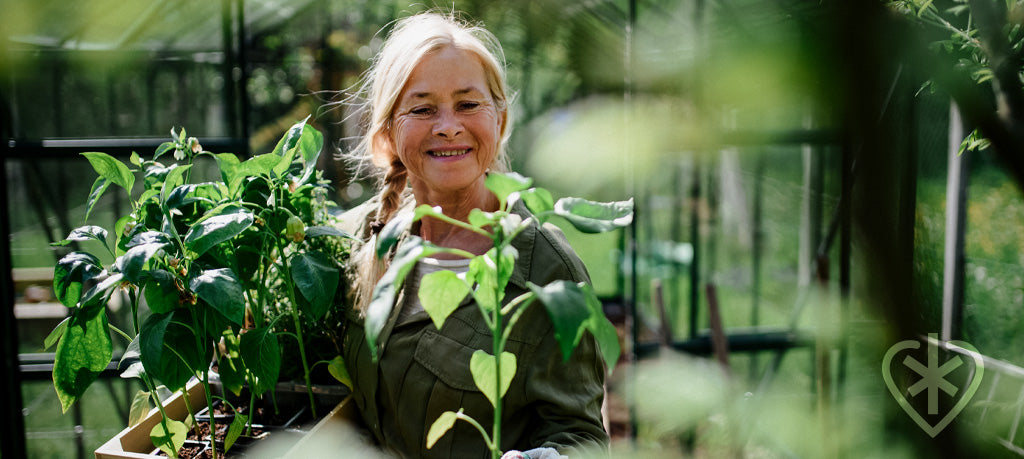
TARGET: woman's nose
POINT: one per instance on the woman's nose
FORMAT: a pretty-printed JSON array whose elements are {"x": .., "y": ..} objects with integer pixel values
[{"x": 448, "y": 124}]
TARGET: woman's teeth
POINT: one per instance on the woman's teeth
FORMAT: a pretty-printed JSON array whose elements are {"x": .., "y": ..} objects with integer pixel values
[{"x": 449, "y": 153}]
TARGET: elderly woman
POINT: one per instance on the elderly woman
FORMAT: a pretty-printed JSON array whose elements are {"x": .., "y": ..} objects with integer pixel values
[{"x": 438, "y": 123}]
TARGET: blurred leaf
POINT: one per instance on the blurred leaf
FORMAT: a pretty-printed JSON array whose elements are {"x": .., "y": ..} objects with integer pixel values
[
  {"x": 317, "y": 279},
  {"x": 316, "y": 231},
  {"x": 440, "y": 294},
  {"x": 339, "y": 370},
  {"x": 567, "y": 306},
  {"x": 503, "y": 185},
  {"x": 595, "y": 217},
  {"x": 140, "y": 408},
  {"x": 485, "y": 373},
  {"x": 481, "y": 219},
  {"x": 441, "y": 425},
  {"x": 602, "y": 329},
  {"x": 391, "y": 232},
  {"x": 261, "y": 353},
  {"x": 384, "y": 292},
  {"x": 538, "y": 200}
]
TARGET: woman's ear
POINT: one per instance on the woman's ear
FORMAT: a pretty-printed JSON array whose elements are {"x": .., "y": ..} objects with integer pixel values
[{"x": 383, "y": 148}]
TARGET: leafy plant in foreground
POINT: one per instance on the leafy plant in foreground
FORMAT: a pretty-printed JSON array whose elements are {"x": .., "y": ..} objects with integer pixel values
[
  {"x": 573, "y": 308},
  {"x": 211, "y": 269}
]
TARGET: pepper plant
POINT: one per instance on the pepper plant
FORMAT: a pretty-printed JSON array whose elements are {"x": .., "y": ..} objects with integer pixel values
[
  {"x": 218, "y": 269},
  {"x": 573, "y": 308}
]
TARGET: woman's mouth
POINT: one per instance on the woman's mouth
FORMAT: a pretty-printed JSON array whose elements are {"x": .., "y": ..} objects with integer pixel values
[{"x": 447, "y": 153}]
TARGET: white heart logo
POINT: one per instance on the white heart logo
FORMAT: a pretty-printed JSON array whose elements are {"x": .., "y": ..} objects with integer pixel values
[{"x": 933, "y": 380}]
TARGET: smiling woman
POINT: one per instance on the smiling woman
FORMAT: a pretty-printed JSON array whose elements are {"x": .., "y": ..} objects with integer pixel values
[{"x": 438, "y": 125}]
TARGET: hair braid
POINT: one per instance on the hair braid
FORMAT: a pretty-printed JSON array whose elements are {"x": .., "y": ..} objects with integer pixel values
[
  {"x": 369, "y": 268},
  {"x": 391, "y": 194}
]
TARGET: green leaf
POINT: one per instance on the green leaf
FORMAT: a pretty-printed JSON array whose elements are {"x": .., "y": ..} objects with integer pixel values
[
  {"x": 98, "y": 188},
  {"x": 440, "y": 294},
  {"x": 480, "y": 219},
  {"x": 426, "y": 210},
  {"x": 171, "y": 440},
  {"x": 218, "y": 225},
  {"x": 230, "y": 171},
  {"x": 140, "y": 407},
  {"x": 88, "y": 232},
  {"x": 261, "y": 353},
  {"x": 73, "y": 270},
  {"x": 567, "y": 306},
  {"x": 503, "y": 185},
  {"x": 229, "y": 363},
  {"x": 384, "y": 292},
  {"x": 311, "y": 142},
  {"x": 186, "y": 194},
  {"x": 595, "y": 217},
  {"x": 602, "y": 329},
  {"x": 135, "y": 159},
  {"x": 168, "y": 349},
  {"x": 234, "y": 430},
  {"x": 441, "y": 426},
  {"x": 97, "y": 295},
  {"x": 221, "y": 289},
  {"x": 83, "y": 352},
  {"x": 290, "y": 138},
  {"x": 317, "y": 231},
  {"x": 485, "y": 373},
  {"x": 538, "y": 200},
  {"x": 111, "y": 169},
  {"x": 316, "y": 277},
  {"x": 161, "y": 291},
  {"x": 491, "y": 277},
  {"x": 175, "y": 178},
  {"x": 339, "y": 370},
  {"x": 391, "y": 232},
  {"x": 55, "y": 334},
  {"x": 135, "y": 259}
]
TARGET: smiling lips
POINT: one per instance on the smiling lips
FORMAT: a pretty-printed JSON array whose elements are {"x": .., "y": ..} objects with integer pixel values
[{"x": 447, "y": 153}]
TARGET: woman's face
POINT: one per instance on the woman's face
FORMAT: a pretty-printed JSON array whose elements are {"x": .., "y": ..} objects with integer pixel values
[{"x": 446, "y": 127}]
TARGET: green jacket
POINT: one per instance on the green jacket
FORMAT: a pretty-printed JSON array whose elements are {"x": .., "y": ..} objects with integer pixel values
[{"x": 423, "y": 371}]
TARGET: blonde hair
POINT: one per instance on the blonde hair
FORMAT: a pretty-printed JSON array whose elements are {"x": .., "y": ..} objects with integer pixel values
[{"x": 409, "y": 41}]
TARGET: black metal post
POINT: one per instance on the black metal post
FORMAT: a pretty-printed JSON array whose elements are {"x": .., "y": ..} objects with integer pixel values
[{"x": 12, "y": 436}]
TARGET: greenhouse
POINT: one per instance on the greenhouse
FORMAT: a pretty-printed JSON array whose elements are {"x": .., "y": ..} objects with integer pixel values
[{"x": 802, "y": 224}]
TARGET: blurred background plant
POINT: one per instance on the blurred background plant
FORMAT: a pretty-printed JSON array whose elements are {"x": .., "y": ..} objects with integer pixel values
[{"x": 735, "y": 125}]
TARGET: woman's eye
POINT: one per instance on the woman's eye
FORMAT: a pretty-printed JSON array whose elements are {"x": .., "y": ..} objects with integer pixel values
[
  {"x": 469, "y": 105},
  {"x": 421, "y": 111}
]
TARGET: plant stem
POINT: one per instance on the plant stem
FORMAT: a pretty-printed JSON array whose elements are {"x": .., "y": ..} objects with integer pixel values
[
  {"x": 290, "y": 287},
  {"x": 151, "y": 385}
]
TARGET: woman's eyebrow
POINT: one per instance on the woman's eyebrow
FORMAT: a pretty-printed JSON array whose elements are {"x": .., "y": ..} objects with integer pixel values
[{"x": 458, "y": 92}]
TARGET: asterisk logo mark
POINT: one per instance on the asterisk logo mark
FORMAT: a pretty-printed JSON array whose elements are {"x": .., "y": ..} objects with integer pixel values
[{"x": 933, "y": 377}]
